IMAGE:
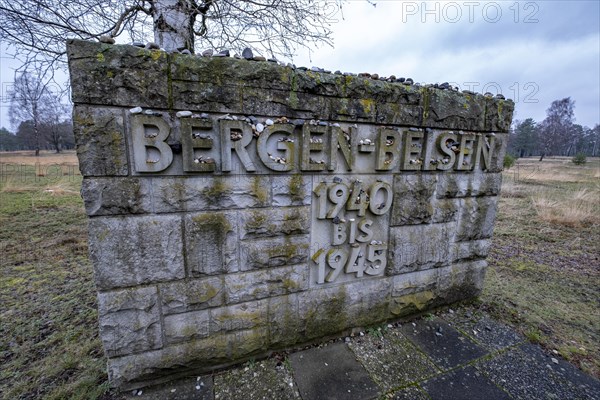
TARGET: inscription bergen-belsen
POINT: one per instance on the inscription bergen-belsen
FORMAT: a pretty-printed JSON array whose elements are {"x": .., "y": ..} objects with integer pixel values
[{"x": 348, "y": 211}]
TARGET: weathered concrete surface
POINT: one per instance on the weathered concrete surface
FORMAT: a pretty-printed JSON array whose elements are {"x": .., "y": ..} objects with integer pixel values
[
  {"x": 396, "y": 366},
  {"x": 239, "y": 207},
  {"x": 159, "y": 80}
]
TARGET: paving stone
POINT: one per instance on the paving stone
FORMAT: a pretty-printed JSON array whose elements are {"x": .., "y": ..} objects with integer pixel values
[
  {"x": 391, "y": 360},
  {"x": 446, "y": 347},
  {"x": 254, "y": 381},
  {"x": 482, "y": 329},
  {"x": 527, "y": 373},
  {"x": 465, "y": 384},
  {"x": 411, "y": 393},
  {"x": 197, "y": 388},
  {"x": 331, "y": 372}
]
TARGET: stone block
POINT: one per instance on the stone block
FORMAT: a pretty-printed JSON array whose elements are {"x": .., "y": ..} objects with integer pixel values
[
  {"x": 262, "y": 223},
  {"x": 238, "y": 317},
  {"x": 497, "y": 163},
  {"x": 472, "y": 250},
  {"x": 445, "y": 210},
  {"x": 274, "y": 252},
  {"x": 197, "y": 356},
  {"x": 128, "y": 251},
  {"x": 498, "y": 115},
  {"x": 331, "y": 310},
  {"x": 209, "y": 97},
  {"x": 129, "y": 320},
  {"x": 112, "y": 196},
  {"x": 191, "y": 295},
  {"x": 476, "y": 218},
  {"x": 400, "y": 114},
  {"x": 226, "y": 71},
  {"x": 452, "y": 110},
  {"x": 215, "y": 193},
  {"x": 415, "y": 282},
  {"x": 255, "y": 285},
  {"x": 284, "y": 321},
  {"x": 468, "y": 185},
  {"x": 100, "y": 140},
  {"x": 187, "y": 326},
  {"x": 419, "y": 247},
  {"x": 211, "y": 244},
  {"x": 292, "y": 190},
  {"x": 125, "y": 76},
  {"x": 413, "y": 196},
  {"x": 460, "y": 281}
]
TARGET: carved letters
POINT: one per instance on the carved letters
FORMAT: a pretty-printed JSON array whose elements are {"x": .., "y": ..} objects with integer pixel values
[{"x": 222, "y": 146}]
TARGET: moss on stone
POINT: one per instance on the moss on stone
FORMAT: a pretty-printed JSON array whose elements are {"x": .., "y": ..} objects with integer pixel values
[
  {"x": 256, "y": 221},
  {"x": 426, "y": 102},
  {"x": 213, "y": 219},
  {"x": 296, "y": 187},
  {"x": 259, "y": 190},
  {"x": 368, "y": 105},
  {"x": 216, "y": 190}
]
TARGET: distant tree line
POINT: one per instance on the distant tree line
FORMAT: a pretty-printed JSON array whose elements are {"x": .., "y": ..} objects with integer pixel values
[
  {"x": 54, "y": 137},
  {"x": 556, "y": 135}
]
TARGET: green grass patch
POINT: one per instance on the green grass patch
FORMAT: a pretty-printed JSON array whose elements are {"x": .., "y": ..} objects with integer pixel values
[
  {"x": 544, "y": 275},
  {"x": 49, "y": 345}
]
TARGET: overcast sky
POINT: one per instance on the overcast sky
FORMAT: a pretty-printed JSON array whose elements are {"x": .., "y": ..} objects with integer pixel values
[{"x": 533, "y": 52}]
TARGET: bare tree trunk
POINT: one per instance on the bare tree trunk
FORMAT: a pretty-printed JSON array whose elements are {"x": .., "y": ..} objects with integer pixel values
[{"x": 174, "y": 24}]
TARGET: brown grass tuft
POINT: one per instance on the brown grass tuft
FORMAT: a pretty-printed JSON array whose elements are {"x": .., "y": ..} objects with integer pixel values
[{"x": 578, "y": 209}]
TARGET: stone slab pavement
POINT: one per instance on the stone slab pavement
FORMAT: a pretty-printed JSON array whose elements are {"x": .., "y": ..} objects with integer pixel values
[{"x": 450, "y": 355}]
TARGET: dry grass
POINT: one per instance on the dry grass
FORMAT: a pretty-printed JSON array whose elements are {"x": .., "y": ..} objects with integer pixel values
[
  {"x": 544, "y": 266},
  {"x": 576, "y": 209},
  {"x": 554, "y": 170},
  {"x": 49, "y": 164}
]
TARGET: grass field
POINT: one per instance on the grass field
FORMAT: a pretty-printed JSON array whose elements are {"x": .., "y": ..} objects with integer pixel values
[{"x": 544, "y": 275}]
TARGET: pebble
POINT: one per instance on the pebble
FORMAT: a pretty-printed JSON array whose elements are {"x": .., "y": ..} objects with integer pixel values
[
  {"x": 207, "y": 53},
  {"x": 136, "y": 110},
  {"x": 152, "y": 46},
  {"x": 401, "y": 80},
  {"x": 260, "y": 127},
  {"x": 298, "y": 122},
  {"x": 409, "y": 81},
  {"x": 106, "y": 39},
  {"x": 204, "y": 116},
  {"x": 247, "y": 53},
  {"x": 269, "y": 122},
  {"x": 253, "y": 119},
  {"x": 259, "y": 58},
  {"x": 183, "y": 114},
  {"x": 338, "y": 72},
  {"x": 316, "y": 69},
  {"x": 488, "y": 94},
  {"x": 223, "y": 53},
  {"x": 500, "y": 96},
  {"x": 554, "y": 360},
  {"x": 273, "y": 60},
  {"x": 137, "y": 44},
  {"x": 375, "y": 76},
  {"x": 186, "y": 51}
]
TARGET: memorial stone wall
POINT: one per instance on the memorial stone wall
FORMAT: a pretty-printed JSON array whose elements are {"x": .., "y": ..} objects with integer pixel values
[{"x": 238, "y": 207}]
